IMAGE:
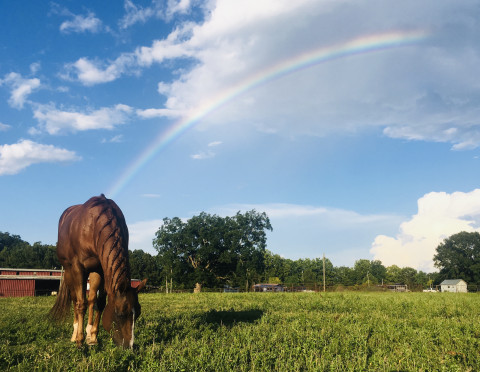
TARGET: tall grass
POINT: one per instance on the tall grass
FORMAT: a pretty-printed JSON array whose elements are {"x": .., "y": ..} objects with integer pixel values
[{"x": 259, "y": 332}]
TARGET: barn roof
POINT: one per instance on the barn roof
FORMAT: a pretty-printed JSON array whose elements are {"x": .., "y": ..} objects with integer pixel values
[
  {"x": 14, "y": 273},
  {"x": 452, "y": 282}
]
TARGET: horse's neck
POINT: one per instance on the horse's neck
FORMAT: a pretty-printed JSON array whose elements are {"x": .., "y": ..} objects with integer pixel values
[
  {"x": 116, "y": 271},
  {"x": 112, "y": 287}
]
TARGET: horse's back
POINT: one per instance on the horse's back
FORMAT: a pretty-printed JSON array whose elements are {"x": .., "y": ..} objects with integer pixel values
[{"x": 80, "y": 228}]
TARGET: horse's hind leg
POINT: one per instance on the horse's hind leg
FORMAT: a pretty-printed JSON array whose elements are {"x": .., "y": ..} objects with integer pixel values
[
  {"x": 96, "y": 283},
  {"x": 68, "y": 278},
  {"x": 80, "y": 302}
]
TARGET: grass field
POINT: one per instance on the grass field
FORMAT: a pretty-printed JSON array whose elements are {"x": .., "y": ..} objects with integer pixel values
[{"x": 259, "y": 332}]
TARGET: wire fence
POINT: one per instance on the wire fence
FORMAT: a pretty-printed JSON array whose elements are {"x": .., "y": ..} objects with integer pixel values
[{"x": 310, "y": 287}]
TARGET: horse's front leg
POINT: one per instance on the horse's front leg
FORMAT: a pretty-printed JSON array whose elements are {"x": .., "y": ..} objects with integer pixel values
[
  {"x": 80, "y": 309},
  {"x": 75, "y": 322}
]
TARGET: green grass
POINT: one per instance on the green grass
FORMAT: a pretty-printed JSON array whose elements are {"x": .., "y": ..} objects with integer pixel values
[{"x": 259, "y": 332}]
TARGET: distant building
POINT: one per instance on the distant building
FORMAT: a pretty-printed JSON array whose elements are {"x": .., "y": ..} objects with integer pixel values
[
  {"x": 228, "y": 289},
  {"x": 454, "y": 285},
  {"x": 268, "y": 288},
  {"x": 397, "y": 287}
]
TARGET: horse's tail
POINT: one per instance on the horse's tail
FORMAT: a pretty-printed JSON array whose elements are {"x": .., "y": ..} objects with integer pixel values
[{"x": 61, "y": 309}]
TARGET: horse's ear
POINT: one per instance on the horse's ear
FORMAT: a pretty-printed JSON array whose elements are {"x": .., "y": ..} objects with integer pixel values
[
  {"x": 107, "y": 316},
  {"x": 141, "y": 285}
]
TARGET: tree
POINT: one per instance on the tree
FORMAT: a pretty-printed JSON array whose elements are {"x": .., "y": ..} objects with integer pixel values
[
  {"x": 144, "y": 265},
  {"x": 274, "y": 267},
  {"x": 378, "y": 270},
  {"x": 344, "y": 275},
  {"x": 458, "y": 257},
  {"x": 393, "y": 274},
  {"x": 365, "y": 271},
  {"x": 211, "y": 250},
  {"x": 15, "y": 252},
  {"x": 408, "y": 275}
]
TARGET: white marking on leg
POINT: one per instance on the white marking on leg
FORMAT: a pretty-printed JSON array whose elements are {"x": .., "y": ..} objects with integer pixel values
[
  {"x": 74, "y": 335},
  {"x": 133, "y": 327},
  {"x": 89, "y": 330}
]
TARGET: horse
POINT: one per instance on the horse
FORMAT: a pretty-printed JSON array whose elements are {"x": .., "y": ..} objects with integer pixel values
[{"x": 93, "y": 243}]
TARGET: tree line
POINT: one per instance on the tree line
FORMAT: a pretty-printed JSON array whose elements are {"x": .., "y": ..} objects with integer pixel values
[
  {"x": 17, "y": 253},
  {"x": 212, "y": 251}
]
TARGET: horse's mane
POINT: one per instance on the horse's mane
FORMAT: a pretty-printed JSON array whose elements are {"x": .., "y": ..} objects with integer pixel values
[{"x": 111, "y": 234}]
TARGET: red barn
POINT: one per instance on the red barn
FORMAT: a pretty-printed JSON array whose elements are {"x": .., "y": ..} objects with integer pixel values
[
  {"x": 28, "y": 282},
  {"x": 33, "y": 282}
]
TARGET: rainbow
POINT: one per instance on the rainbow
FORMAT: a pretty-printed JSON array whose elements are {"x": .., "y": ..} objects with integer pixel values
[{"x": 365, "y": 44}]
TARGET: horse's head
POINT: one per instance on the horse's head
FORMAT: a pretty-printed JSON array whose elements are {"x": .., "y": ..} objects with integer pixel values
[{"x": 120, "y": 315}]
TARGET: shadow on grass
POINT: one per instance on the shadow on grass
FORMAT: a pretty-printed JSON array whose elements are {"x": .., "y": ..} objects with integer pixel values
[
  {"x": 229, "y": 318},
  {"x": 166, "y": 329}
]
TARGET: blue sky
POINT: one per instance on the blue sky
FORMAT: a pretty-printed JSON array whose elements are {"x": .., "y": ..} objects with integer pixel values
[{"x": 353, "y": 125}]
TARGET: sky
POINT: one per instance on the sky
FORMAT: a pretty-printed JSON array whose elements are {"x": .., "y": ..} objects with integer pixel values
[{"x": 354, "y": 125}]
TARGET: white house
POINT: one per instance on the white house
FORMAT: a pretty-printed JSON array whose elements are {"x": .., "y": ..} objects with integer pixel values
[{"x": 454, "y": 285}]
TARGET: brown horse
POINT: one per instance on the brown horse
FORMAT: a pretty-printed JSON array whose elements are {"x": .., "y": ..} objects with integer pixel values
[{"x": 93, "y": 243}]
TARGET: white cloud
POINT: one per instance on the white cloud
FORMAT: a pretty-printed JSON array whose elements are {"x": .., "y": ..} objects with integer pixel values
[
  {"x": 202, "y": 155},
  {"x": 135, "y": 14},
  {"x": 16, "y": 157},
  {"x": 284, "y": 210},
  {"x": 177, "y": 6},
  {"x": 439, "y": 216},
  {"x": 95, "y": 72},
  {"x": 214, "y": 143},
  {"x": 142, "y": 234},
  {"x": 4, "y": 127},
  {"x": 81, "y": 23},
  {"x": 115, "y": 139},
  {"x": 157, "y": 113},
  {"x": 301, "y": 231},
  {"x": 91, "y": 73},
  {"x": 21, "y": 88},
  {"x": 427, "y": 90},
  {"x": 138, "y": 14},
  {"x": 55, "y": 121},
  {"x": 35, "y": 67}
]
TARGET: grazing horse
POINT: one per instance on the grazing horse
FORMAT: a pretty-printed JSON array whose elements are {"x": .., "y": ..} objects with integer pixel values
[{"x": 93, "y": 244}]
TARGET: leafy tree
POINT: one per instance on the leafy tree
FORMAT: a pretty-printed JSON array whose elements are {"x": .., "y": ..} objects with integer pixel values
[
  {"x": 15, "y": 252},
  {"x": 423, "y": 279},
  {"x": 408, "y": 276},
  {"x": 144, "y": 265},
  {"x": 247, "y": 241},
  {"x": 274, "y": 266},
  {"x": 368, "y": 271},
  {"x": 344, "y": 275},
  {"x": 458, "y": 257},
  {"x": 378, "y": 270},
  {"x": 393, "y": 275},
  {"x": 212, "y": 250}
]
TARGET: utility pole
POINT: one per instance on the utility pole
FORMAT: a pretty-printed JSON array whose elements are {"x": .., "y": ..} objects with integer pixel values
[{"x": 324, "y": 289}]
